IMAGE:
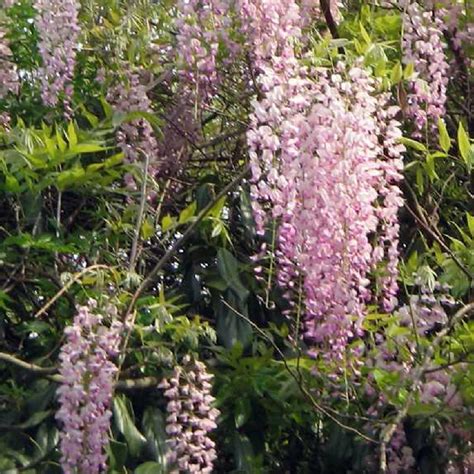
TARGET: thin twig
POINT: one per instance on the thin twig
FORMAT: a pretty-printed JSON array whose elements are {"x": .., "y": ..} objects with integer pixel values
[
  {"x": 141, "y": 210},
  {"x": 51, "y": 373},
  {"x": 33, "y": 368},
  {"x": 66, "y": 287}
]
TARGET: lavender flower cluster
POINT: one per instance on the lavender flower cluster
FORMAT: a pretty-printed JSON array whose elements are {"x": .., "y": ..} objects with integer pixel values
[
  {"x": 202, "y": 26},
  {"x": 191, "y": 417},
  {"x": 326, "y": 164},
  {"x": 58, "y": 27},
  {"x": 425, "y": 312},
  {"x": 86, "y": 392},
  {"x": 9, "y": 80},
  {"x": 423, "y": 46},
  {"x": 135, "y": 138}
]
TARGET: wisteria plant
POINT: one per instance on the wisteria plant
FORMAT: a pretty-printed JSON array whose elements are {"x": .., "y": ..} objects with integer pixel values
[{"x": 236, "y": 236}]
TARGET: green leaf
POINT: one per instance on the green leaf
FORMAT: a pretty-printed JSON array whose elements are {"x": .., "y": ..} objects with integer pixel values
[
  {"x": 148, "y": 229},
  {"x": 423, "y": 409},
  {"x": 86, "y": 148},
  {"x": 150, "y": 467},
  {"x": 470, "y": 223},
  {"x": 231, "y": 327},
  {"x": 430, "y": 168},
  {"x": 217, "y": 208},
  {"x": 92, "y": 119},
  {"x": 228, "y": 267},
  {"x": 465, "y": 146},
  {"x": 69, "y": 178},
  {"x": 217, "y": 228},
  {"x": 413, "y": 144},
  {"x": 186, "y": 214},
  {"x": 71, "y": 134},
  {"x": 34, "y": 420},
  {"x": 444, "y": 140},
  {"x": 385, "y": 378},
  {"x": 4, "y": 300},
  {"x": 108, "y": 110},
  {"x": 167, "y": 222},
  {"x": 153, "y": 427},
  {"x": 114, "y": 160},
  {"x": 242, "y": 412},
  {"x": 60, "y": 140},
  {"x": 244, "y": 454},
  {"x": 409, "y": 70},
  {"x": 364, "y": 34},
  {"x": 420, "y": 182},
  {"x": 396, "y": 73},
  {"x": 11, "y": 184},
  {"x": 125, "y": 424},
  {"x": 117, "y": 455}
]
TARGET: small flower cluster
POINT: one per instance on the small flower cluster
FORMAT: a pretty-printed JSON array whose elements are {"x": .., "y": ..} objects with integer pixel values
[
  {"x": 190, "y": 417},
  {"x": 180, "y": 130},
  {"x": 57, "y": 24},
  {"x": 423, "y": 46},
  {"x": 86, "y": 392},
  {"x": 9, "y": 81},
  {"x": 399, "y": 455},
  {"x": 202, "y": 26},
  {"x": 135, "y": 138}
]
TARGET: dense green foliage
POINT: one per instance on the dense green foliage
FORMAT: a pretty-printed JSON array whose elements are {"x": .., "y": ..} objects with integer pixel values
[{"x": 68, "y": 223}]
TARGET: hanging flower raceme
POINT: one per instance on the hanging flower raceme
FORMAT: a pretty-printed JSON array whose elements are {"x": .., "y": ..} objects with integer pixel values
[
  {"x": 326, "y": 165},
  {"x": 191, "y": 417},
  {"x": 58, "y": 28},
  {"x": 423, "y": 46},
  {"x": 458, "y": 31},
  {"x": 135, "y": 138},
  {"x": 272, "y": 28},
  {"x": 346, "y": 190},
  {"x": 202, "y": 25},
  {"x": 86, "y": 391},
  {"x": 9, "y": 80}
]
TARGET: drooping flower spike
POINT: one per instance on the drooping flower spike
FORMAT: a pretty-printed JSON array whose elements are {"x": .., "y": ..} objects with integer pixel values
[{"x": 86, "y": 364}]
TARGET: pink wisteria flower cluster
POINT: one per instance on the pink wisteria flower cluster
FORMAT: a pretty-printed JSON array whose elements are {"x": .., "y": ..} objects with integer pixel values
[
  {"x": 9, "y": 80},
  {"x": 85, "y": 394},
  {"x": 326, "y": 164},
  {"x": 191, "y": 417},
  {"x": 58, "y": 28},
  {"x": 202, "y": 27},
  {"x": 136, "y": 138},
  {"x": 425, "y": 312},
  {"x": 347, "y": 191},
  {"x": 424, "y": 47}
]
